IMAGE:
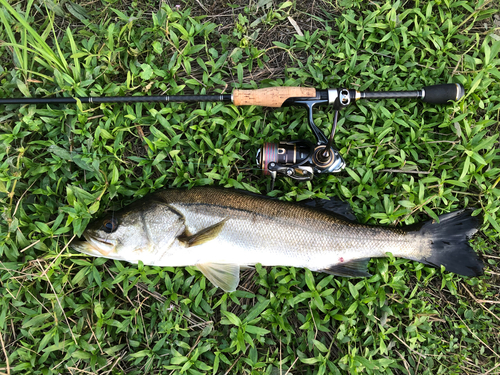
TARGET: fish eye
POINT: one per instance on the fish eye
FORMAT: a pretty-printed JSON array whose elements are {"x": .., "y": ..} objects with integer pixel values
[{"x": 110, "y": 225}]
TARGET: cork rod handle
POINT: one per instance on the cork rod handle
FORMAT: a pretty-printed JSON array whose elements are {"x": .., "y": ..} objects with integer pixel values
[{"x": 271, "y": 96}]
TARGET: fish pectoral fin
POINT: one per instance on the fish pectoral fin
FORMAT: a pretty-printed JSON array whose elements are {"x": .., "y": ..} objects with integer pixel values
[
  {"x": 352, "y": 268},
  {"x": 223, "y": 275},
  {"x": 204, "y": 235}
]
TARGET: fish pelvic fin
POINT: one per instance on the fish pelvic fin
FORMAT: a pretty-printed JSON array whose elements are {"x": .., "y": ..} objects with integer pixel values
[
  {"x": 449, "y": 243},
  {"x": 352, "y": 268},
  {"x": 223, "y": 275},
  {"x": 204, "y": 235}
]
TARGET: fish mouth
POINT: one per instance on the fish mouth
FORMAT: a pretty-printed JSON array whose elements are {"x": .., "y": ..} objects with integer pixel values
[{"x": 95, "y": 246}]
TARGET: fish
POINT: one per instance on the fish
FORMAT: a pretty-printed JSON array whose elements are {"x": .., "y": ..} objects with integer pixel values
[{"x": 221, "y": 231}]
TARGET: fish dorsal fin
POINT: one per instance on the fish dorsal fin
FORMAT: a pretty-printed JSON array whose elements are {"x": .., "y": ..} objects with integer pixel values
[
  {"x": 223, "y": 275},
  {"x": 352, "y": 268},
  {"x": 204, "y": 235},
  {"x": 333, "y": 205}
]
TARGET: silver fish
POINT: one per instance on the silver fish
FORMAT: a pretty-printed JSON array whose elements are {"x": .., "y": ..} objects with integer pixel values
[{"x": 221, "y": 230}]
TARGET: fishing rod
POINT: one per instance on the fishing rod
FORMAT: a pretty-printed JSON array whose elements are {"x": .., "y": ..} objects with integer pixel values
[{"x": 300, "y": 159}]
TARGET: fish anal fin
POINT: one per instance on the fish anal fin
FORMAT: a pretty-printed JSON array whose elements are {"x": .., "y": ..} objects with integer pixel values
[
  {"x": 223, "y": 275},
  {"x": 204, "y": 235},
  {"x": 351, "y": 268}
]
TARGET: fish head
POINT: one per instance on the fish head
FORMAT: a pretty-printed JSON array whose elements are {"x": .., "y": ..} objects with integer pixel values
[{"x": 133, "y": 233}]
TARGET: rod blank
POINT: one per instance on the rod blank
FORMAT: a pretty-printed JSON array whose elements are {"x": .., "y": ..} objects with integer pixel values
[{"x": 123, "y": 99}]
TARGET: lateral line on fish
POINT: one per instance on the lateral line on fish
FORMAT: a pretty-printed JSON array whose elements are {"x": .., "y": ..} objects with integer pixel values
[
  {"x": 332, "y": 215},
  {"x": 211, "y": 205},
  {"x": 229, "y": 208}
]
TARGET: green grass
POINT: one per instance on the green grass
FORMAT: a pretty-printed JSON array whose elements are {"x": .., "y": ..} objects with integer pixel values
[{"x": 60, "y": 166}]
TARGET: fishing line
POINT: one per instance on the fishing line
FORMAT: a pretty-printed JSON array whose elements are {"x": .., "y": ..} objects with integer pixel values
[{"x": 80, "y": 153}]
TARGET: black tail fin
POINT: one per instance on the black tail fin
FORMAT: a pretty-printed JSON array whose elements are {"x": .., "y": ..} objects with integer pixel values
[{"x": 449, "y": 243}]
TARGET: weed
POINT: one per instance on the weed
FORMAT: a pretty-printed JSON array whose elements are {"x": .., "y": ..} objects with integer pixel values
[{"x": 60, "y": 166}]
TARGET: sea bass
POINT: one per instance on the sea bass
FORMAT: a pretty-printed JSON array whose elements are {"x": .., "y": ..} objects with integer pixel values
[{"x": 221, "y": 230}]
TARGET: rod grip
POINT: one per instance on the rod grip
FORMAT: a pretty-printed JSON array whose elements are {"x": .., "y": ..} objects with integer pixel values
[
  {"x": 441, "y": 94},
  {"x": 271, "y": 96}
]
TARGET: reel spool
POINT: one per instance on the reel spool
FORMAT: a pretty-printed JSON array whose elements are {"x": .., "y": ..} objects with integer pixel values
[{"x": 300, "y": 160}]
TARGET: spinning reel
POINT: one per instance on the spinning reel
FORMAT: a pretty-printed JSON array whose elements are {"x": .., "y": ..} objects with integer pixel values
[{"x": 303, "y": 159}]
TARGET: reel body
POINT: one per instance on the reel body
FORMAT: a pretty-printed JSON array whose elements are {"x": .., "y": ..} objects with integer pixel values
[{"x": 300, "y": 160}]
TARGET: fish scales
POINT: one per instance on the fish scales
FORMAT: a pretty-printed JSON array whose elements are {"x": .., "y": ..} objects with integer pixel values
[
  {"x": 273, "y": 232},
  {"x": 221, "y": 228}
]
